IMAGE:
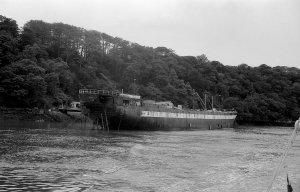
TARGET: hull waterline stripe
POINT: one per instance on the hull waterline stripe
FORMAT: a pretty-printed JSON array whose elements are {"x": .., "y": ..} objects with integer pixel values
[{"x": 159, "y": 114}]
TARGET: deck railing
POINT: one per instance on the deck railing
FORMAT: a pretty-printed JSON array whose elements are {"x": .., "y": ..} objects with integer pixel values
[{"x": 98, "y": 92}]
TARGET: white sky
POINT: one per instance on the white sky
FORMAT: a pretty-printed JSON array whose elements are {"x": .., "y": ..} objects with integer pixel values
[{"x": 230, "y": 31}]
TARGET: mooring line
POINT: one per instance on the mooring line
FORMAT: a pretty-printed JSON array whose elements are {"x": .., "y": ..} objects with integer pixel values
[{"x": 289, "y": 146}]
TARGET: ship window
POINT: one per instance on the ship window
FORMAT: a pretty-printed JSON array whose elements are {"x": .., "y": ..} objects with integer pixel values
[
  {"x": 102, "y": 99},
  {"x": 126, "y": 102},
  {"x": 106, "y": 100}
]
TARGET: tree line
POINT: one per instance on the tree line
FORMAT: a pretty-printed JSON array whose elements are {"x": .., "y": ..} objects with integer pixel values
[{"x": 44, "y": 64}]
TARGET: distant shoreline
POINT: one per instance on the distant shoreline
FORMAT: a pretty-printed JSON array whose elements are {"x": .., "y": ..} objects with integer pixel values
[
  {"x": 243, "y": 124},
  {"x": 38, "y": 115},
  {"x": 263, "y": 127}
]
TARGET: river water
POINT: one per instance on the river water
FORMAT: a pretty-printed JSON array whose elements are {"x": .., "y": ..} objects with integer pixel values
[{"x": 73, "y": 157}]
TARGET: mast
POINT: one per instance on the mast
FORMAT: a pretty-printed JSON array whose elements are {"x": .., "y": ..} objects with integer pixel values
[
  {"x": 201, "y": 101},
  {"x": 205, "y": 101},
  {"x": 193, "y": 102},
  {"x": 134, "y": 91}
]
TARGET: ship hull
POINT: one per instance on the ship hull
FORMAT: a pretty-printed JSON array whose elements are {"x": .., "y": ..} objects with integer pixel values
[
  {"x": 165, "y": 124},
  {"x": 141, "y": 118}
]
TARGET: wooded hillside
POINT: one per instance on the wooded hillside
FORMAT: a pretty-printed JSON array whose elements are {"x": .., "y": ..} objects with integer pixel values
[{"x": 44, "y": 64}]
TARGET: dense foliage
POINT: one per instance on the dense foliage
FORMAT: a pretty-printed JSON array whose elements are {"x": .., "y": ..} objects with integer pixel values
[{"x": 44, "y": 65}]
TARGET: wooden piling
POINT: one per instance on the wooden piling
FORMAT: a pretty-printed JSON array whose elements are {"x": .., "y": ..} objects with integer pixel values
[
  {"x": 102, "y": 122},
  {"x": 97, "y": 123},
  {"x": 106, "y": 121},
  {"x": 121, "y": 117}
]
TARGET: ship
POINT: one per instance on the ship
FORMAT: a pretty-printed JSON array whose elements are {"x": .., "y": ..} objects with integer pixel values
[
  {"x": 74, "y": 107},
  {"x": 114, "y": 110}
]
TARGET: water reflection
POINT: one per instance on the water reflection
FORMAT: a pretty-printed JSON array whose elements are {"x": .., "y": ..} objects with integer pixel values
[{"x": 73, "y": 157}]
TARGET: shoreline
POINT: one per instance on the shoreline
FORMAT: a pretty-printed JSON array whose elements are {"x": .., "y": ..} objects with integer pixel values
[
  {"x": 264, "y": 127},
  {"x": 39, "y": 115}
]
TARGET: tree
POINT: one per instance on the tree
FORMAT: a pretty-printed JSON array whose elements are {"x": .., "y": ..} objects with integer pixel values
[
  {"x": 8, "y": 40},
  {"x": 22, "y": 84},
  {"x": 46, "y": 63},
  {"x": 9, "y": 26}
]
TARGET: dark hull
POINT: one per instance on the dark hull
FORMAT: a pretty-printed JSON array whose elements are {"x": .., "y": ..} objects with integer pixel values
[
  {"x": 130, "y": 118},
  {"x": 156, "y": 124},
  {"x": 69, "y": 110}
]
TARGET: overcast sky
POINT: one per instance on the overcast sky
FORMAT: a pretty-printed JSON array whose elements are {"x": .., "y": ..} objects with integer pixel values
[{"x": 230, "y": 31}]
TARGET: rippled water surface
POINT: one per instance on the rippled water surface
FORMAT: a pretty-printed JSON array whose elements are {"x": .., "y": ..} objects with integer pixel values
[{"x": 43, "y": 157}]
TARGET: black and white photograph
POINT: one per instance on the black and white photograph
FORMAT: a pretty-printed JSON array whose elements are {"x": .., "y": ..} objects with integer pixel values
[{"x": 150, "y": 95}]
